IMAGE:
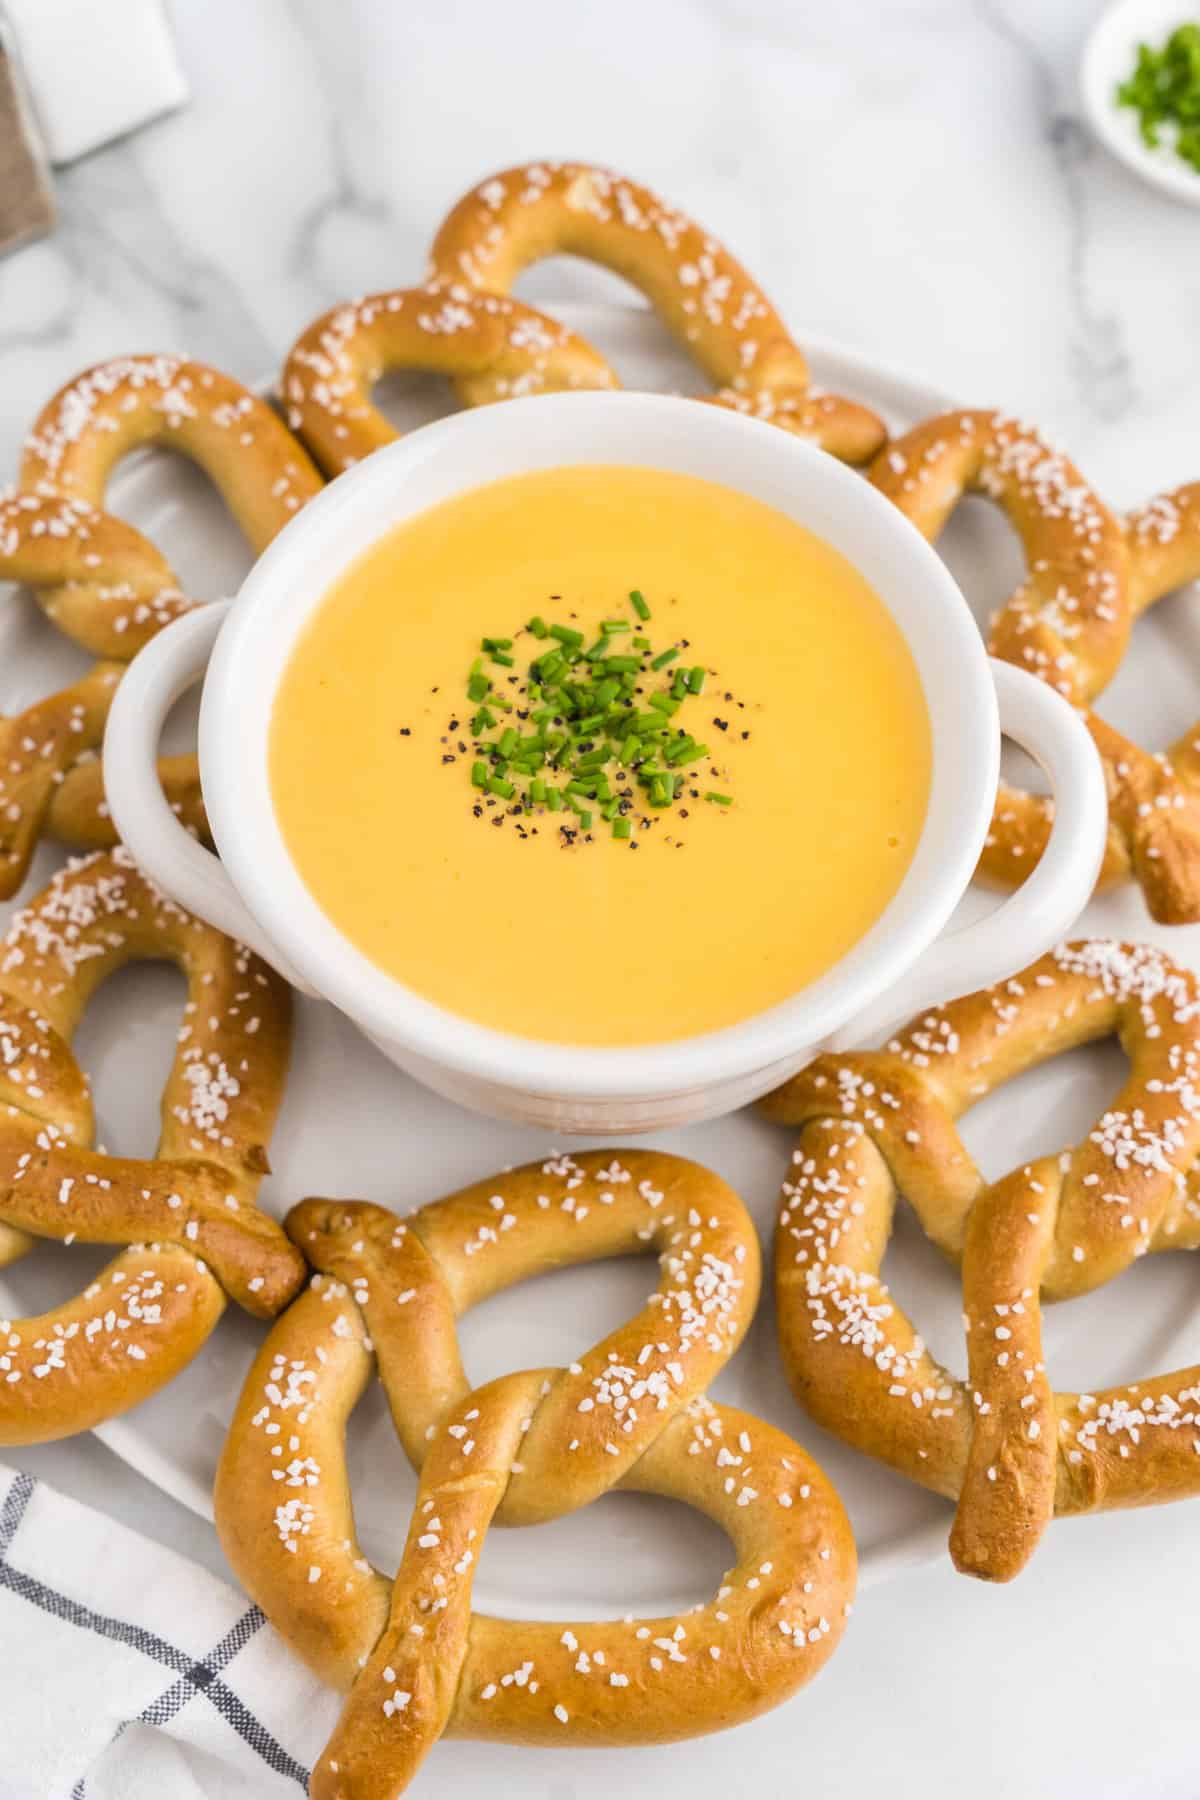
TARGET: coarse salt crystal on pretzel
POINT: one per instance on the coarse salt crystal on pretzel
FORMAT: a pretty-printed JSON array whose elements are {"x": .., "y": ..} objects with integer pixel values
[
  {"x": 880, "y": 1124},
  {"x": 630, "y": 1413},
  {"x": 101, "y": 581},
  {"x": 195, "y": 1199},
  {"x": 1069, "y": 622},
  {"x": 700, "y": 291}
]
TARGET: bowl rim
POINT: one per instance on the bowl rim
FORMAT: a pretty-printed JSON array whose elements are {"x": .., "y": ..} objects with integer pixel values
[{"x": 663, "y": 431}]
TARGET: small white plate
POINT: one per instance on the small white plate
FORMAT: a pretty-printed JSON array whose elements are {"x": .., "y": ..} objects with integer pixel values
[
  {"x": 1108, "y": 59},
  {"x": 354, "y": 1126}
]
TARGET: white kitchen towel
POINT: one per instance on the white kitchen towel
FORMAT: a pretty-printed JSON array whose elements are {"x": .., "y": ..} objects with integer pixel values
[{"x": 128, "y": 1673}]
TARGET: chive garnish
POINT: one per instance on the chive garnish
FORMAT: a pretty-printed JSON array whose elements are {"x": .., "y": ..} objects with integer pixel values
[{"x": 598, "y": 724}]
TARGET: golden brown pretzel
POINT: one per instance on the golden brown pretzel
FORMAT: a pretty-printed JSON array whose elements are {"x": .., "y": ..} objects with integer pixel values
[
  {"x": 702, "y": 294},
  {"x": 195, "y": 1198},
  {"x": 494, "y": 347},
  {"x": 878, "y": 1124},
  {"x": 528, "y": 1447},
  {"x": 99, "y": 579},
  {"x": 1069, "y": 622}
]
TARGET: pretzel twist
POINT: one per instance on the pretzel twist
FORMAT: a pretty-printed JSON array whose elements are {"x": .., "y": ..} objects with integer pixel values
[
  {"x": 494, "y": 347},
  {"x": 529, "y": 1447},
  {"x": 879, "y": 1124},
  {"x": 195, "y": 1198},
  {"x": 101, "y": 581},
  {"x": 1069, "y": 622},
  {"x": 702, "y": 294}
]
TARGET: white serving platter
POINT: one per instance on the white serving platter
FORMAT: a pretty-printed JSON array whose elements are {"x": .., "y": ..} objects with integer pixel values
[{"x": 354, "y": 1126}]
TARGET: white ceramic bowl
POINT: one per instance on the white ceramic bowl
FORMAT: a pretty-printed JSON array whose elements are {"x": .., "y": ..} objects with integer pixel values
[
  {"x": 1108, "y": 58},
  {"x": 256, "y": 893}
]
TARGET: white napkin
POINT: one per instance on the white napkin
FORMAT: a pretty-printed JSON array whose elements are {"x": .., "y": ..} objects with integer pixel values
[
  {"x": 95, "y": 69},
  {"x": 128, "y": 1673}
]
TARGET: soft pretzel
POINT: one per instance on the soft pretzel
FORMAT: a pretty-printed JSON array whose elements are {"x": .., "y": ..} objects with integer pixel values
[
  {"x": 494, "y": 347},
  {"x": 1069, "y": 622},
  {"x": 631, "y": 1413},
  {"x": 196, "y": 1198},
  {"x": 123, "y": 1338},
  {"x": 100, "y": 580},
  {"x": 1010, "y": 1450},
  {"x": 702, "y": 294},
  {"x": 78, "y": 813}
]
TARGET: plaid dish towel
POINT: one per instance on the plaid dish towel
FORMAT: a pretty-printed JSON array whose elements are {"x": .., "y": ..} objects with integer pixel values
[{"x": 131, "y": 1674}]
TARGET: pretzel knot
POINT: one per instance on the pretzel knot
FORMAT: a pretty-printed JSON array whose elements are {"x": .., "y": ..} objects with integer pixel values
[
  {"x": 630, "y": 1414},
  {"x": 494, "y": 348},
  {"x": 1089, "y": 577},
  {"x": 703, "y": 295},
  {"x": 1012, "y": 1451},
  {"x": 150, "y": 1311},
  {"x": 102, "y": 582}
]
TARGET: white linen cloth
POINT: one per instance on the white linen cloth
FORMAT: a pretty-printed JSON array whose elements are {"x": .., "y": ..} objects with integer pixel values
[
  {"x": 128, "y": 1673},
  {"x": 95, "y": 71}
]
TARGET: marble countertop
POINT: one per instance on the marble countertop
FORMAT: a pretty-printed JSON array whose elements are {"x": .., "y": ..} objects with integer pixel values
[{"x": 909, "y": 177}]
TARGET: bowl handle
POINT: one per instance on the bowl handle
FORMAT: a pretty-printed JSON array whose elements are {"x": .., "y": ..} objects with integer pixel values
[
  {"x": 1045, "y": 906},
  {"x": 159, "y": 674}
]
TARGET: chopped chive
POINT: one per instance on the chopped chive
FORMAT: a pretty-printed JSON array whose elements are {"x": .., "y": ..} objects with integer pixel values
[{"x": 582, "y": 731}]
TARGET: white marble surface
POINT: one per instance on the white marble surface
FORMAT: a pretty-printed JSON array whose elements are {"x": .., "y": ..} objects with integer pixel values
[{"x": 909, "y": 176}]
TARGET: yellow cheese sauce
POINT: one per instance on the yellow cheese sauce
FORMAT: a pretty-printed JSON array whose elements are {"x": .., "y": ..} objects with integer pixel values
[{"x": 812, "y": 716}]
